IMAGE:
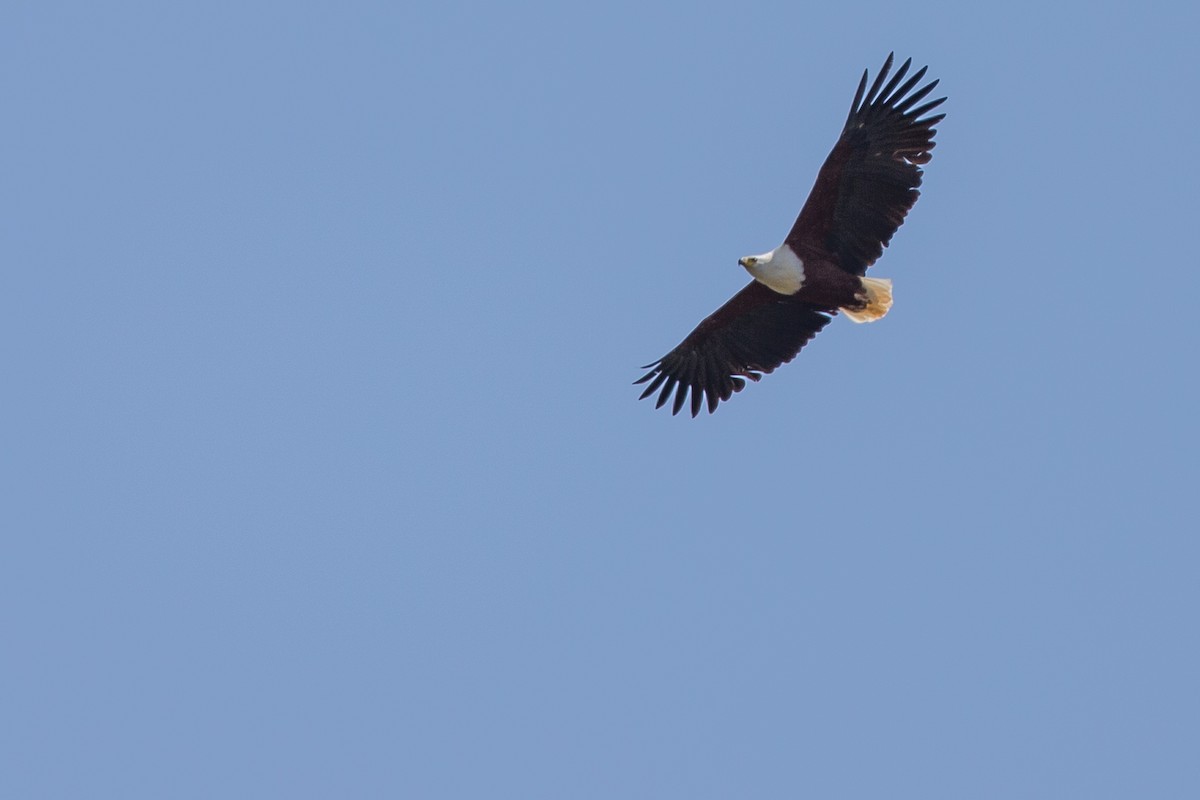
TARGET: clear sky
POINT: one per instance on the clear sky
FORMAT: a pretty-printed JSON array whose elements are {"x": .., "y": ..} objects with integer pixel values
[{"x": 324, "y": 475}]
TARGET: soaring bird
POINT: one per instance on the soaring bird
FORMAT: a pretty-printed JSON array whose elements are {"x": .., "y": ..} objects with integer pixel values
[{"x": 863, "y": 191}]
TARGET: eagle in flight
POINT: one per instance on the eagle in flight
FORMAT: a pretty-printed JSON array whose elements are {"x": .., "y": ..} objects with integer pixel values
[{"x": 863, "y": 192}]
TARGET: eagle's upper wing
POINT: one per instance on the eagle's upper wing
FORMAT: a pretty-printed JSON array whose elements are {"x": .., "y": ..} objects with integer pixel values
[
  {"x": 752, "y": 334},
  {"x": 869, "y": 181}
]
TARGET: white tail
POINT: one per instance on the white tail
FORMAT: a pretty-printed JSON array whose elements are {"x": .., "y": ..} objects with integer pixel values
[{"x": 877, "y": 292}]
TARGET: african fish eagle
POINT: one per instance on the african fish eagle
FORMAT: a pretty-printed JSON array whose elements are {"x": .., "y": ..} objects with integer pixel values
[{"x": 862, "y": 194}]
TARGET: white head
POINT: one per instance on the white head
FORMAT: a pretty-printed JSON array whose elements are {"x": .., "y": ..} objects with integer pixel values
[{"x": 780, "y": 270}]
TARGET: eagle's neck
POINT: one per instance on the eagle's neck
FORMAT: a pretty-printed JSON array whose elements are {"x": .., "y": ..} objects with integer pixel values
[{"x": 780, "y": 270}]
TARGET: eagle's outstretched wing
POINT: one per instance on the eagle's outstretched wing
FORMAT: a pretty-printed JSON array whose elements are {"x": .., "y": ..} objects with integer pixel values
[
  {"x": 749, "y": 336},
  {"x": 869, "y": 181}
]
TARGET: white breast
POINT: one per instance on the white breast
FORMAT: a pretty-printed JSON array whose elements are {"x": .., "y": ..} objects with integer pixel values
[{"x": 780, "y": 270}]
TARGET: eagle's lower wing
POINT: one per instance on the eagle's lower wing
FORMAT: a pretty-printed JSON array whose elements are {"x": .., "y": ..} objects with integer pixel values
[
  {"x": 869, "y": 181},
  {"x": 752, "y": 334}
]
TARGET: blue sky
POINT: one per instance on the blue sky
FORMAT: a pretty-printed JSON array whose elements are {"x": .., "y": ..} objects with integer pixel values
[{"x": 326, "y": 478}]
